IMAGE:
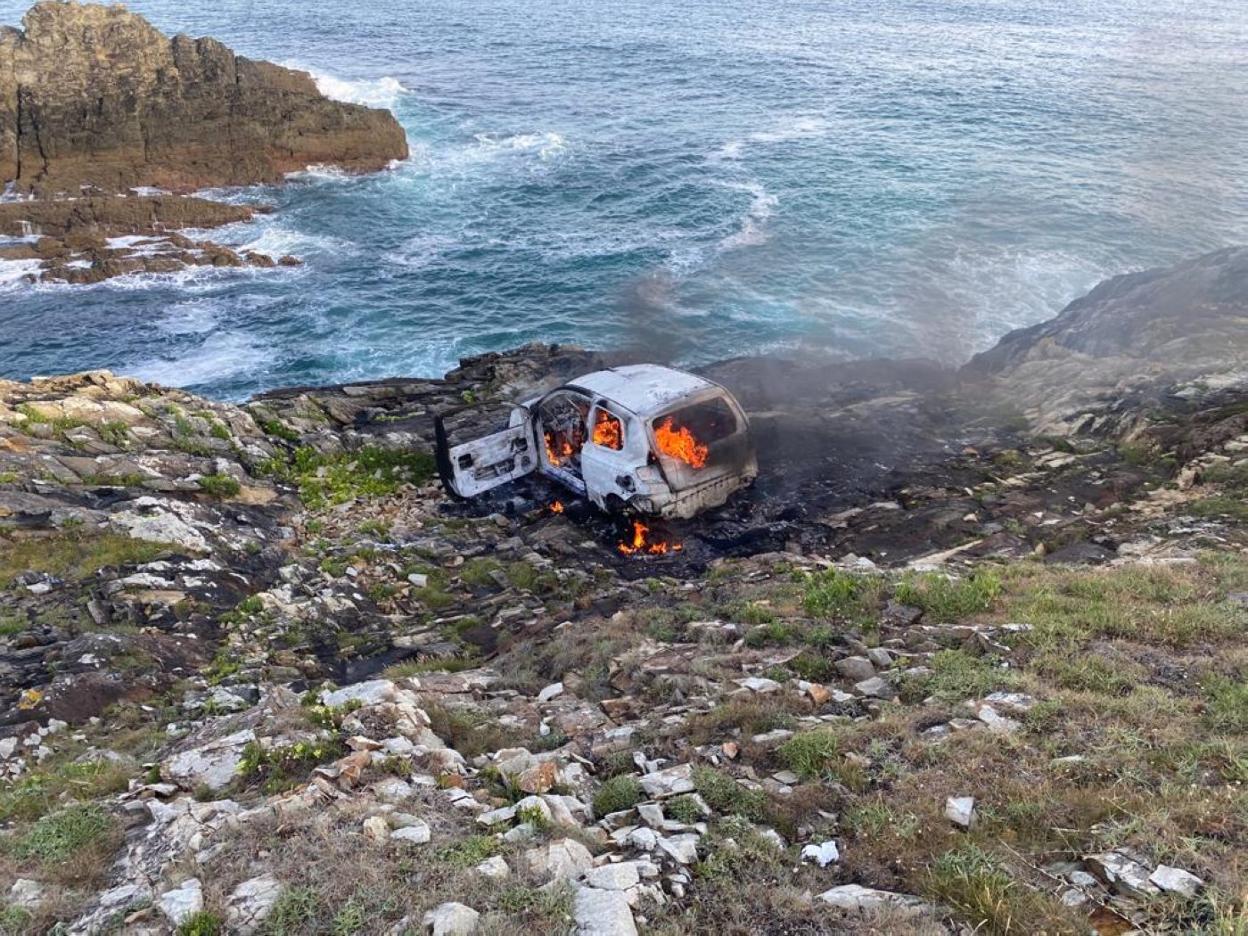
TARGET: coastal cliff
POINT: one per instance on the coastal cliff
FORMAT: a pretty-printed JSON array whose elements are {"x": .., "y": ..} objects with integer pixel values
[
  {"x": 935, "y": 672},
  {"x": 97, "y": 108},
  {"x": 94, "y": 96}
]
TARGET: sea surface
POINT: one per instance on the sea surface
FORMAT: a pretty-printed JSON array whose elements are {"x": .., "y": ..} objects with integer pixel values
[{"x": 695, "y": 180}]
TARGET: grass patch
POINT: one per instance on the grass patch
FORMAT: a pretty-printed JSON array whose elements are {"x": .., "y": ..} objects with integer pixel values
[
  {"x": 1222, "y": 506},
  {"x": 977, "y": 887},
  {"x": 846, "y": 596},
  {"x": 1227, "y": 705},
  {"x": 326, "y": 480},
  {"x": 811, "y": 753},
  {"x": 469, "y": 852},
  {"x": 203, "y": 923},
  {"x": 219, "y": 485},
  {"x": 57, "y": 837},
  {"x": 618, "y": 793},
  {"x": 946, "y": 600},
  {"x": 723, "y": 794},
  {"x": 73, "y": 554}
]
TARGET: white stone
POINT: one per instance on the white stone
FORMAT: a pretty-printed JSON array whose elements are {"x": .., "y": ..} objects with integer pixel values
[
  {"x": 857, "y": 897},
  {"x": 451, "y": 919},
  {"x": 1176, "y": 881},
  {"x": 1123, "y": 874},
  {"x": 550, "y": 692},
  {"x": 372, "y": 692},
  {"x": 759, "y": 684},
  {"x": 682, "y": 848},
  {"x": 183, "y": 902},
  {"x": 822, "y": 854},
  {"x": 416, "y": 834},
  {"x": 376, "y": 828},
  {"x": 214, "y": 764},
  {"x": 668, "y": 782},
  {"x": 26, "y": 894},
  {"x": 563, "y": 859},
  {"x": 602, "y": 913},
  {"x": 495, "y": 868},
  {"x": 250, "y": 903},
  {"x": 876, "y": 687},
  {"x": 617, "y": 877},
  {"x": 418, "y": 579},
  {"x": 996, "y": 722},
  {"x": 960, "y": 810}
]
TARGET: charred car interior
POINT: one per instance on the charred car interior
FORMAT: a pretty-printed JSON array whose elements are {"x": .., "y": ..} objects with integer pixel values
[{"x": 642, "y": 438}]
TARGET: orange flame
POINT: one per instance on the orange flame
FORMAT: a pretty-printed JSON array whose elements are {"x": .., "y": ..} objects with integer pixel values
[
  {"x": 607, "y": 431},
  {"x": 558, "y": 449},
  {"x": 641, "y": 544},
  {"x": 556, "y": 507},
  {"x": 680, "y": 443}
]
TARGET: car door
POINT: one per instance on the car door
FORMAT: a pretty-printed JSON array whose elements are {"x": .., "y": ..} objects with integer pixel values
[{"x": 470, "y": 463}]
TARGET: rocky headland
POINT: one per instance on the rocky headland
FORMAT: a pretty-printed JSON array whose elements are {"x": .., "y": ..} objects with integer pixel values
[
  {"x": 969, "y": 657},
  {"x": 98, "y": 106}
]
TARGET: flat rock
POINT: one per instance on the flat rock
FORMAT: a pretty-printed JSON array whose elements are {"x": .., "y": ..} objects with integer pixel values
[
  {"x": 602, "y": 913},
  {"x": 857, "y": 897},
  {"x": 250, "y": 903},
  {"x": 183, "y": 902},
  {"x": 668, "y": 782},
  {"x": 451, "y": 919}
]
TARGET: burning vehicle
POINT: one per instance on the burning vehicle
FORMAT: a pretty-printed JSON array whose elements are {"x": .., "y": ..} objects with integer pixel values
[{"x": 641, "y": 438}]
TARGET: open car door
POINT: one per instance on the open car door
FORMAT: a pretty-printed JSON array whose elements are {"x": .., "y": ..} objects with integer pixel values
[{"x": 470, "y": 466}]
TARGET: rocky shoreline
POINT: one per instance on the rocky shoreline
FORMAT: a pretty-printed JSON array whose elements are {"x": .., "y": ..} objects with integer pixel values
[
  {"x": 97, "y": 109},
  {"x": 939, "y": 671}
]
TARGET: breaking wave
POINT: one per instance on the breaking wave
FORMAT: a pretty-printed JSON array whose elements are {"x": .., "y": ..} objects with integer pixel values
[
  {"x": 221, "y": 356},
  {"x": 752, "y": 230},
  {"x": 371, "y": 92}
]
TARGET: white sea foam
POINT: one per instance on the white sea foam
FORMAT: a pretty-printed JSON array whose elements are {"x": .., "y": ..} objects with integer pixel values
[
  {"x": 193, "y": 317},
  {"x": 547, "y": 145},
  {"x": 372, "y": 92},
  {"x": 14, "y": 273},
  {"x": 752, "y": 230},
  {"x": 793, "y": 128},
  {"x": 419, "y": 251},
  {"x": 221, "y": 355}
]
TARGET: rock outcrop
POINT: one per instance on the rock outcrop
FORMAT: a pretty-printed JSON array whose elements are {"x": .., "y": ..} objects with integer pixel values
[
  {"x": 95, "y": 96},
  {"x": 1134, "y": 337}
]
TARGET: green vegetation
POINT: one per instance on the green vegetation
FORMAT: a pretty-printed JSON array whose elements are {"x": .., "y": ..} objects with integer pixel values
[
  {"x": 847, "y": 596},
  {"x": 468, "y": 852},
  {"x": 325, "y": 480},
  {"x": 203, "y": 923},
  {"x": 618, "y": 793},
  {"x": 725, "y": 795},
  {"x": 683, "y": 809},
  {"x": 280, "y": 768},
  {"x": 1228, "y": 705},
  {"x": 36, "y": 793},
  {"x": 219, "y": 485},
  {"x": 810, "y": 753},
  {"x": 946, "y": 600},
  {"x": 1222, "y": 506},
  {"x": 72, "y": 554},
  {"x": 279, "y": 430},
  {"x": 973, "y": 883},
  {"x": 60, "y": 835}
]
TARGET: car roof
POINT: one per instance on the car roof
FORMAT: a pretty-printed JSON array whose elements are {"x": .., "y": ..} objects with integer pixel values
[{"x": 645, "y": 389}]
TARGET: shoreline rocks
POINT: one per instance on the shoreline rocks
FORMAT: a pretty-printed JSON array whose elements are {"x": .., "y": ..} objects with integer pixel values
[{"x": 96, "y": 105}]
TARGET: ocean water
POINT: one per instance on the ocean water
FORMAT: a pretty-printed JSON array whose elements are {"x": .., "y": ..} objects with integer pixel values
[{"x": 696, "y": 180}]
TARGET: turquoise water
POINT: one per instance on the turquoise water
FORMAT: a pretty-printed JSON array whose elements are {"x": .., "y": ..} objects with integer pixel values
[{"x": 696, "y": 180}]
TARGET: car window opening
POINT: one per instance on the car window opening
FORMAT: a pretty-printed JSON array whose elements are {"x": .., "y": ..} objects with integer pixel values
[
  {"x": 563, "y": 422},
  {"x": 608, "y": 430},
  {"x": 688, "y": 434}
]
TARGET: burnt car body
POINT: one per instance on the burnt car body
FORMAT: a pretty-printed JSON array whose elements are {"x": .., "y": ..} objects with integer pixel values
[{"x": 642, "y": 438}]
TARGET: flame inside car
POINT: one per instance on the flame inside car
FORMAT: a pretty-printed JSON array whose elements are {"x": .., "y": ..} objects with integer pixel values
[
  {"x": 558, "y": 448},
  {"x": 608, "y": 431},
  {"x": 680, "y": 443},
  {"x": 642, "y": 543},
  {"x": 556, "y": 507}
]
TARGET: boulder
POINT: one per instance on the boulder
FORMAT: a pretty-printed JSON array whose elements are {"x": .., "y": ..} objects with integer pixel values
[
  {"x": 109, "y": 102},
  {"x": 451, "y": 919},
  {"x": 602, "y": 913},
  {"x": 183, "y": 902},
  {"x": 563, "y": 859},
  {"x": 250, "y": 903}
]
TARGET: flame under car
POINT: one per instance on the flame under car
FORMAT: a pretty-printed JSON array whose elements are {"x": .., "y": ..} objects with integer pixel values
[{"x": 642, "y": 438}]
